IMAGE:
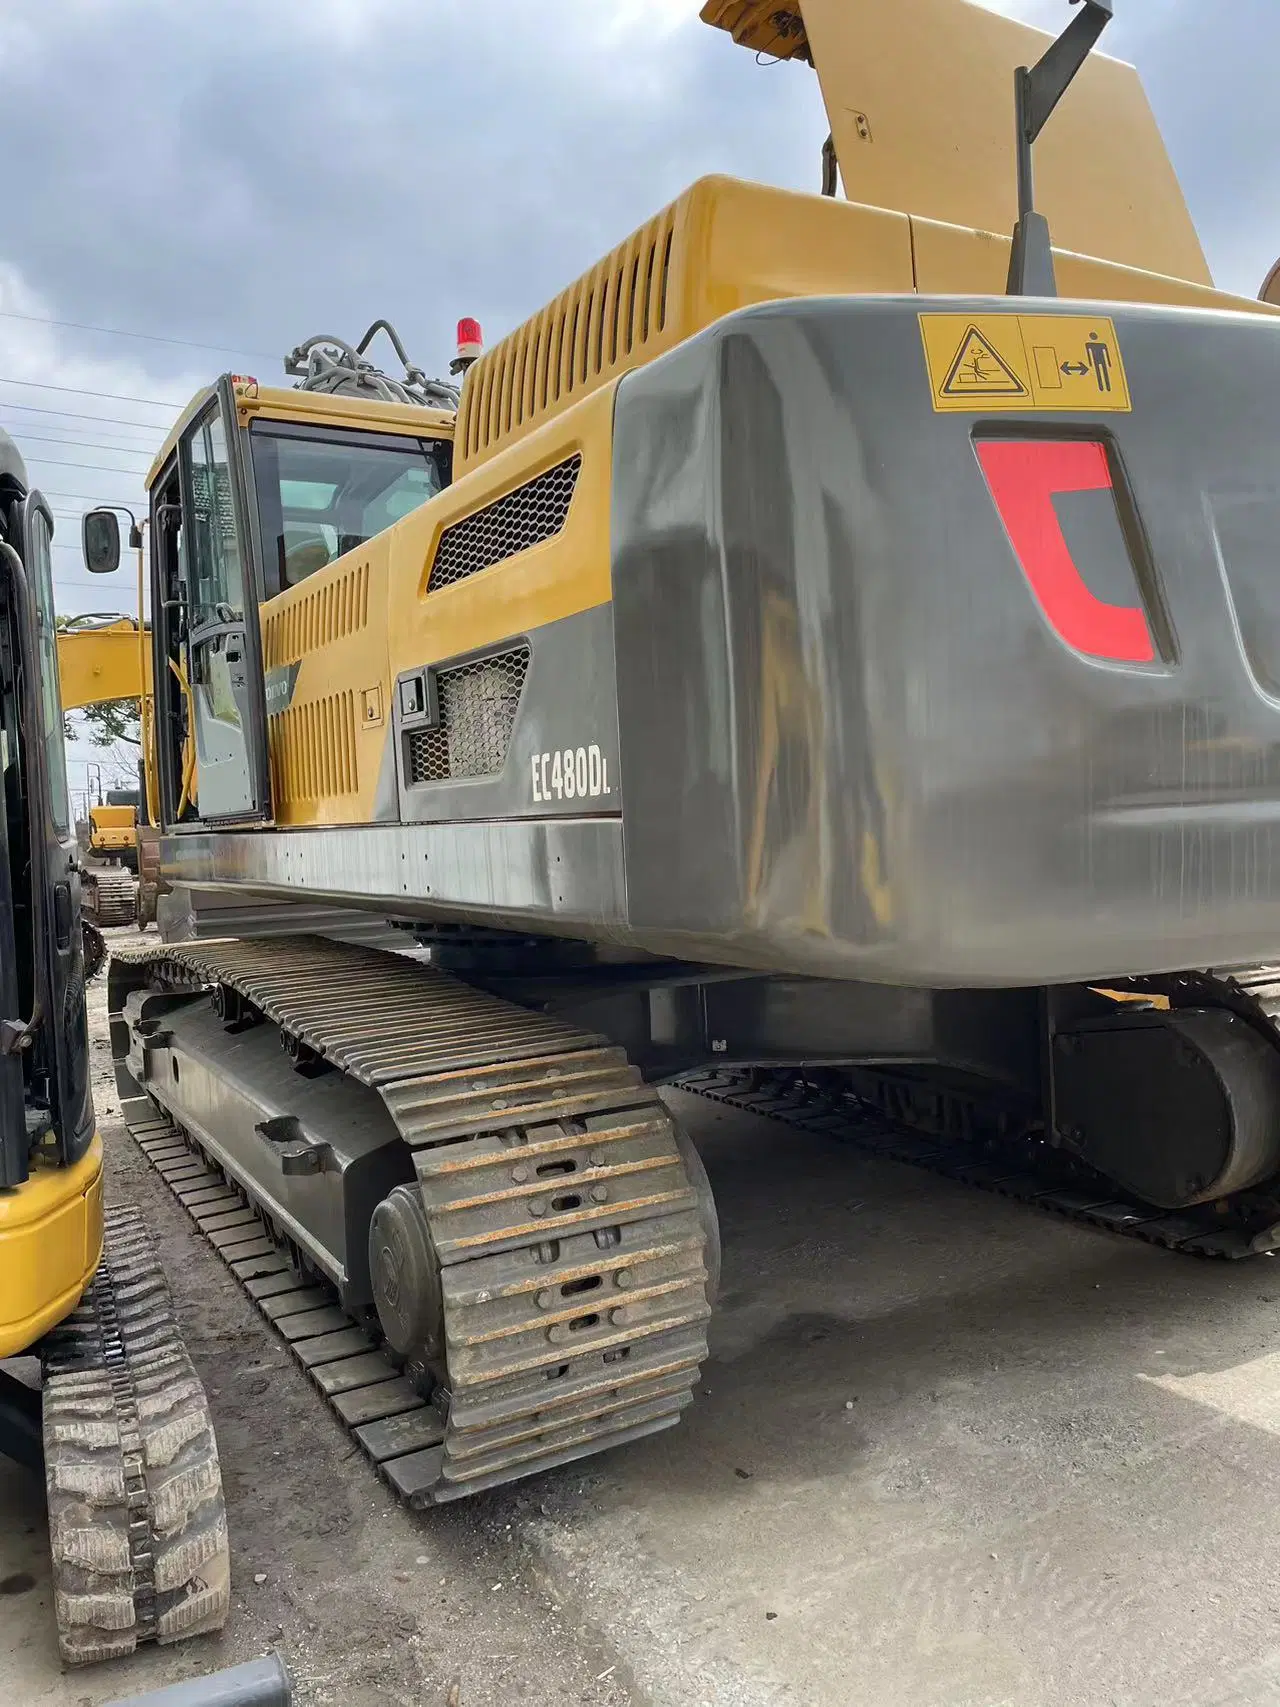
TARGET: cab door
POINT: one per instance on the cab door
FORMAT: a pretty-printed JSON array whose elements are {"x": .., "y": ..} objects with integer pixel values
[{"x": 219, "y": 623}]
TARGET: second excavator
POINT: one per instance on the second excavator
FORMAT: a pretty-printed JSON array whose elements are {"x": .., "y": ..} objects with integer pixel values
[{"x": 830, "y": 663}]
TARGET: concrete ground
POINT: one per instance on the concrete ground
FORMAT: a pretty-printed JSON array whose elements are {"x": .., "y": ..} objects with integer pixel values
[{"x": 949, "y": 1453}]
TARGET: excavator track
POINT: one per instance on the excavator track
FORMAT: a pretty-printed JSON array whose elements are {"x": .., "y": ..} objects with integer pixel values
[
  {"x": 878, "y": 1114},
  {"x": 137, "y": 1524},
  {"x": 562, "y": 1205},
  {"x": 109, "y": 896},
  {"x": 95, "y": 950}
]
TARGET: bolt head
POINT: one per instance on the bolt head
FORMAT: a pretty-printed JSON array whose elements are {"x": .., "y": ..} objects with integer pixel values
[
  {"x": 621, "y": 1315},
  {"x": 520, "y": 1174},
  {"x": 597, "y": 1158},
  {"x": 719, "y": 1045},
  {"x": 545, "y": 1299},
  {"x": 537, "y": 1206},
  {"x": 599, "y": 1194},
  {"x": 558, "y": 1333},
  {"x": 623, "y": 1278}
]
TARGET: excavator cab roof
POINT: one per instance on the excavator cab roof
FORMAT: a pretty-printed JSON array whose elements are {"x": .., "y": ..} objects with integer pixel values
[{"x": 284, "y": 403}]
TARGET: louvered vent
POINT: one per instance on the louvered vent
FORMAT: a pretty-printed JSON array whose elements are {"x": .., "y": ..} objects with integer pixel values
[
  {"x": 614, "y": 317},
  {"x": 514, "y": 522},
  {"x": 334, "y": 608},
  {"x": 313, "y": 749},
  {"x": 478, "y": 704}
]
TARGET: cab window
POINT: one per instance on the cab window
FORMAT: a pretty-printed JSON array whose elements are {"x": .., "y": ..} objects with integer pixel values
[
  {"x": 40, "y": 570},
  {"x": 215, "y": 575},
  {"x": 321, "y": 494}
]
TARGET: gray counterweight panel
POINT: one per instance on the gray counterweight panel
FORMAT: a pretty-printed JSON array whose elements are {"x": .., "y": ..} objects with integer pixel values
[
  {"x": 852, "y": 743},
  {"x": 564, "y": 705}
]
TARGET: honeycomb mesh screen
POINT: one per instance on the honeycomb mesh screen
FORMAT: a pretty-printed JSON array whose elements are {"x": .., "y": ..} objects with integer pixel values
[
  {"x": 478, "y": 704},
  {"x": 525, "y": 517}
]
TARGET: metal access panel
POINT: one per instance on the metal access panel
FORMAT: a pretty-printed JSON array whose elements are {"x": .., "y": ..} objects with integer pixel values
[{"x": 948, "y": 640}]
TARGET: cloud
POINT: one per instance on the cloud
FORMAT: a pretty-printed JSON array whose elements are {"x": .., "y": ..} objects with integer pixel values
[
  {"x": 249, "y": 174},
  {"x": 79, "y": 451}
]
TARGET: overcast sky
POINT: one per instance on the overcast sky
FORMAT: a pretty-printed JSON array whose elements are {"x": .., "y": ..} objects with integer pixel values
[{"x": 245, "y": 172}]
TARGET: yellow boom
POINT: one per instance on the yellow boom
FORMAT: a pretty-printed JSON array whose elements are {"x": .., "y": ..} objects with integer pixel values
[{"x": 103, "y": 663}]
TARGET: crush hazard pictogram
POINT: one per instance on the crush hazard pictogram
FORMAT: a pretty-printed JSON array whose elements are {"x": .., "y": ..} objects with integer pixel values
[
  {"x": 983, "y": 363},
  {"x": 979, "y": 370}
]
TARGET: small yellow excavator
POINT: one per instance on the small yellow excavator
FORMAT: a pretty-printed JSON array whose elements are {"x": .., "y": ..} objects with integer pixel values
[{"x": 103, "y": 1400}]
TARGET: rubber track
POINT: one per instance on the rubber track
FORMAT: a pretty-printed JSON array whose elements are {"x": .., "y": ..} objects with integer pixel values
[
  {"x": 573, "y": 1277},
  {"x": 138, "y": 1529}
]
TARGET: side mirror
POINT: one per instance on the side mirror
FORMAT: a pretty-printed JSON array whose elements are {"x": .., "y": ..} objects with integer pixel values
[
  {"x": 1270, "y": 291},
  {"x": 100, "y": 538}
]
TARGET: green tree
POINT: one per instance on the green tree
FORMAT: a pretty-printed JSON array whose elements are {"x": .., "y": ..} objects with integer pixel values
[{"x": 114, "y": 720}]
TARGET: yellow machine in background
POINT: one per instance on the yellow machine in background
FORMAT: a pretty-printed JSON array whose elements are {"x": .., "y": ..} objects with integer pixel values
[
  {"x": 113, "y": 828},
  {"x": 101, "y": 660}
]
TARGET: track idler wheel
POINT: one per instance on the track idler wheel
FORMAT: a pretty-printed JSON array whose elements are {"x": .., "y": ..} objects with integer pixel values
[
  {"x": 405, "y": 1273},
  {"x": 1180, "y": 1107}
]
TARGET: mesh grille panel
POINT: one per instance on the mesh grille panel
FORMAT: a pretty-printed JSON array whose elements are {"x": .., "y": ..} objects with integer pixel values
[
  {"x": 522, "y": 518},
  {"x": 478, "y": 704}
]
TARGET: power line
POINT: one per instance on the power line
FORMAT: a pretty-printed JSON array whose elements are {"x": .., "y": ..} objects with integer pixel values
[
  {"x": 106, "y": 467},
  {"x": 116, "y": 332},
  {"x": 71, "y": 415},
  {"x": 79, "y": 391},
  {"x": 84, "y": 497},
  {"x": 82, "y": 444}
]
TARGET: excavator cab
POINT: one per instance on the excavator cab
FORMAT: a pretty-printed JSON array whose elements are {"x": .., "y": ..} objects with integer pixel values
[{"x": 256, "y": 491}]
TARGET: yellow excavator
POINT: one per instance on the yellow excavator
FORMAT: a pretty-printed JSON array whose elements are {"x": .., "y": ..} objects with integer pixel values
[
  {"x": 830, "y": 662},
  {"x": 106, "y": 659},
  {"x": 97, "y": 1393}
]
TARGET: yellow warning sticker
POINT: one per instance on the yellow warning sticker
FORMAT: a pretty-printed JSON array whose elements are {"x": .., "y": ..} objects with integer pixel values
[{"x": 983, "y": 362}]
